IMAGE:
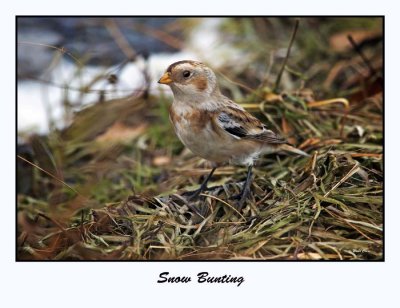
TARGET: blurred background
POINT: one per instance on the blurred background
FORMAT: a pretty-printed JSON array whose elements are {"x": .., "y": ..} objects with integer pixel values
[
  {"x": 67, "y": 63},
  {"x": 93, "y": 127}
]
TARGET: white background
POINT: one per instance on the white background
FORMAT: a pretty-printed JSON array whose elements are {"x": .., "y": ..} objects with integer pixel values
[{"x": 282, "y": 284}]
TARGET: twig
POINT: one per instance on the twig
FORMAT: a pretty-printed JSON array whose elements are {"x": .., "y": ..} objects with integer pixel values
[
  {"x": 161, "y": 35},
  {"x": 359, "y": 51},
  {"x": 51, "y": 175},
  {"x": 120, "y": 39},
  {"x": 241, "y": 85},
  {"x": 62, "y": 50},
  {"x": 342, "y": 180},
  {"x": 226, "y": 203},
  {"x": 82, "y": 89},
  {"x": 52, "y": 220},
  {"x": 278, "y": 79}
]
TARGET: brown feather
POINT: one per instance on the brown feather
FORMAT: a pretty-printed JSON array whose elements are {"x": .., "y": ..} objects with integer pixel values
[
  {"x": 171, "y": 67},
  {"x": 249, "y": 127},
  {"x": 198, "y": 119},
  {"x": 200, "y": 82}
]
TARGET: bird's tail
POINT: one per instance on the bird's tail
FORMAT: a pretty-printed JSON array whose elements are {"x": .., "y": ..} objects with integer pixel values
[{"x": 289, "y": 148}]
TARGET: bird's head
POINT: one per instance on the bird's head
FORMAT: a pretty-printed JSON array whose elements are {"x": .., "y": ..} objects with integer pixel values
[{"x": 190, "y": 78}]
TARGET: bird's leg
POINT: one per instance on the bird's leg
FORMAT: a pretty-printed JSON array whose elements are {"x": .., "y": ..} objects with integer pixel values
[
  {"x": 246, "y": 188},
  {"x": 194, "y": 194}
]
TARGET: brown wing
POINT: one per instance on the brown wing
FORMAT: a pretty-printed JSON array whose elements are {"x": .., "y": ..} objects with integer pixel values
[{"x": 242, "y": 125}]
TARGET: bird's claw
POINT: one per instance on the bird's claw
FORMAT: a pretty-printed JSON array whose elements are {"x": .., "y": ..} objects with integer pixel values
[{"x": 241, "y": 197}]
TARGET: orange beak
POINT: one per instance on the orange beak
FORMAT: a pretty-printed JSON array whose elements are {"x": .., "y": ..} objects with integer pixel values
[{"x": 165, "y": 79}]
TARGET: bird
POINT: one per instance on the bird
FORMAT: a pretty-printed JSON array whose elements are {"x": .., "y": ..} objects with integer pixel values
[{"x": 214, "y": 127}]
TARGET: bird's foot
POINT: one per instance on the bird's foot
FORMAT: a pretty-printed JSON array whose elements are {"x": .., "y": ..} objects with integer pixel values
[
  {"x": 241, "y": 197},
  {"x": 242, "y": 201},
  {"x": 193, "y": 195}
]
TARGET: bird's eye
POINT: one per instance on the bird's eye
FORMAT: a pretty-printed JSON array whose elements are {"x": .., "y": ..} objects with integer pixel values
[{"x": 186, "y": 74}]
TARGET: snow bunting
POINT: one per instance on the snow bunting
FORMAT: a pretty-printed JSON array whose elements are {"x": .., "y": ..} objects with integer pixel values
[{"x": 214, "y": 127}]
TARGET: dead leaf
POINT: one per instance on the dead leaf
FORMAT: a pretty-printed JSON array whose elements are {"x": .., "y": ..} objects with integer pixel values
[
  {"x": 309, "y": 141},
  {"x": 341, "y": 100},
  {"x": 120, "y": 132}
]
